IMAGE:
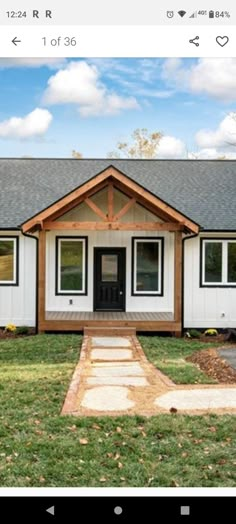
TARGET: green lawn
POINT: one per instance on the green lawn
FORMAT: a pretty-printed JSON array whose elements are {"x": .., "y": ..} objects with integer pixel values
[
  {"x": 168, "y": 355},
  {"x": 38, "y": 447}
]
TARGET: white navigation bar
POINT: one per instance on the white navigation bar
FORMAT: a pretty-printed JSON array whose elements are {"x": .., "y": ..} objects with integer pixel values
[{"x": 117, "y": 41}]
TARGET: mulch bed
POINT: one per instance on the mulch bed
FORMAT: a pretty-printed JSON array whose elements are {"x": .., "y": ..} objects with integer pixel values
[
  {"x": 213, "y": 365},
  {"x": 8, "y": 334}
]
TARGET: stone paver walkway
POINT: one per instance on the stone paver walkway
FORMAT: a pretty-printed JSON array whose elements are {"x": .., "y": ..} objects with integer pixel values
[{"x": 113, "y": 377}]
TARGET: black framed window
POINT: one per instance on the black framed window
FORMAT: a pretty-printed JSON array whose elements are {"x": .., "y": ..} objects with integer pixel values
[
  {"x": 147, "y": 266},
  {"x": 71, "y": 264},
  {"x": 218, "y": 262},
  {"x": 9, "y": 256}
]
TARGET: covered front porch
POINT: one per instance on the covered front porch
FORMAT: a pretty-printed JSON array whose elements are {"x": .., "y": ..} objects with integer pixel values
[
  {"x": 110, "y": 255},
  {"x": 139, "y": 321}
]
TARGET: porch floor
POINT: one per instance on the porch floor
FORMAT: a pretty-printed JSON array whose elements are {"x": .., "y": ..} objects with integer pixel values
[{"x": 109, "y": 316}]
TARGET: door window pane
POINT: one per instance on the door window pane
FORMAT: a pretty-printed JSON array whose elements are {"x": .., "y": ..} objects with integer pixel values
[
  {"x": 109, "y": 268},
  {"x": 231, "y": 261},
  {"x": 7, "y": 260},
  {"x": 147, "y": 266},
  {"x": 71, "y": 265},
  {"x": 213, "y": 262}
]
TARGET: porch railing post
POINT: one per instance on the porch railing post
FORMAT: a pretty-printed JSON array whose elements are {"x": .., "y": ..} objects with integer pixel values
[
  {"x": 41, "y": 279},
  {"x": 178, "y": 281}
]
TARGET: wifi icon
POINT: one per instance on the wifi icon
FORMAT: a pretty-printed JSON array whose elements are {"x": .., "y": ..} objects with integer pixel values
[{"x": 182, "y": 13}]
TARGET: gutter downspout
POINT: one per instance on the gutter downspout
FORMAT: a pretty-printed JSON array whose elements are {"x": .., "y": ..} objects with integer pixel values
[
  {"x": 194, "y": 235},
  {"x": 27, "y": 235}
]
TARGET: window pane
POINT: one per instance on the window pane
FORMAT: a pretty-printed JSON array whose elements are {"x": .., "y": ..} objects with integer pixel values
[
  {"x": 147, "y": 266},
  {"x": 109, "y": 268},
  {"x": 71, "y": 271},
  {"x": 213, "y": 261},
  {"x": 6, "y": 260},
  {"x": 232, "y": 262}
]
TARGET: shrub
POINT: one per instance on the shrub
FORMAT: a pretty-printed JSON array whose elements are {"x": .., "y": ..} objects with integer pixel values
[
  {"x": 11, "y": 328},
  {"x": 211, "y": 332},
  {"x": 22, "y": 330},
  {"x": 194, "y": 333}
]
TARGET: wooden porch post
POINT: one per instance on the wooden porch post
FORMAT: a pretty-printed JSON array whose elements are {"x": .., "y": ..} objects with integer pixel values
[
  {"x": 178, "y": 281},
  {"x": 41, "y": 279}
]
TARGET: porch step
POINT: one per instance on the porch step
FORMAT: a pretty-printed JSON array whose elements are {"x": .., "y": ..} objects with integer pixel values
[{"x": 109, "y": 331}]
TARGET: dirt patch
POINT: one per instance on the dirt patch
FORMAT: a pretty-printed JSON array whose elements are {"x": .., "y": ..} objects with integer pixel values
[{"x": 213, "y": 365}]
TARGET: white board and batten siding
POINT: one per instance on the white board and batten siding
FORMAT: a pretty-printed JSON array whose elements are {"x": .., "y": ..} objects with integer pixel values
[
  {"x": 18, "y": 303},
  {"x": 110, "y": 239},
  {"x": 117, "y": 239},
  {"x": 205, "y": 307}
]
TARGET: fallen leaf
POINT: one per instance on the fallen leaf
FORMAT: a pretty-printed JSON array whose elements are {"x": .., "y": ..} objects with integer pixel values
[
  {"x": 117, "y": 456},
  {"x": 173, "y": 410},
  {"x": 83, "y": 441},
  {"x": 95, "y": 426},
  {"x": 184, "y": 454},
  {"x": 118, "y": 429},
  {"x": 120, "y": 465},
  {"x": 222, "y": 461},
  {"x": 141, "y": 461},
  {"x": 122, "y": 478},
  {"x": 150, "y": 480},
  {"x": 174, "y": 484},
  {"x": 72, "y": 428},
  {"x": 41, "y": 479},
  {"x": 103, "y": 479},
  {"x": 37, "y": 422},
  {"x": 212, "y": 429},
  {"x": 209, "y": 467}
]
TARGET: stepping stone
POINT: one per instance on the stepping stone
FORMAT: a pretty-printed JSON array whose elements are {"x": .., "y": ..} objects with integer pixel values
[
  {"x": 117, "y": 381},
  {"x": 198, "y": 399},
  {"x": 111, "y": 354},
  {"x": 107, "y": 399},
  {"x": 117, "y": 370},
  {"x": 118, "y": 342}
]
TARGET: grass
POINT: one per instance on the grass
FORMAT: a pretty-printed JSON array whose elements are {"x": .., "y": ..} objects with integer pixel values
[
  {"x": 168, "y": 355},
  {"x": 38, "y": 447}
]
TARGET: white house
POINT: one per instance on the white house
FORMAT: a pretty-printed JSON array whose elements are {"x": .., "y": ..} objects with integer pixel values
[{"x": 136, "y": 244}]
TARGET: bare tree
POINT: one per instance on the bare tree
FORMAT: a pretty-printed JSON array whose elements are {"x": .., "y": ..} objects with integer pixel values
[
  {"x": 143, "y": 144},
  {"x": 77, "y": 154}
]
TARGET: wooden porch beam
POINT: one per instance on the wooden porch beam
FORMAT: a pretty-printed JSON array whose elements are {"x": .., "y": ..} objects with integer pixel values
[
  {"x": 41, "y": 278},
  {"x": 178, "y": 277},
  {"x": 95, "y": 208},
  {"x": 114, "y": 226},
  {"x": 110, "y": 202},
  {"x": 125, "y": 209}
]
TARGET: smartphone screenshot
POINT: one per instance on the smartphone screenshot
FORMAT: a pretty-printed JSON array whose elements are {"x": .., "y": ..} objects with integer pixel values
[{"x": 117, "y": 260}]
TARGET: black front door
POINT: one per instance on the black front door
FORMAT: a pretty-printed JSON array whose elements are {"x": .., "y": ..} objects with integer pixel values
[{"x": 109, "y": 279}]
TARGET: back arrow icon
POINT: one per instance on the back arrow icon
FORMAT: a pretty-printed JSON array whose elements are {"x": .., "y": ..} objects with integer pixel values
[{"x": 15, "y": 41}]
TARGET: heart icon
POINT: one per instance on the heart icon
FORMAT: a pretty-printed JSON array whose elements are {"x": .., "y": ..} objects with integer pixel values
[{"x": 222, "y": 40}]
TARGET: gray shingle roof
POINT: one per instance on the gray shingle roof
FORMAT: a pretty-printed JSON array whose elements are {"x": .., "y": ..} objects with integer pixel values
[{"x": 205, "y": 191}]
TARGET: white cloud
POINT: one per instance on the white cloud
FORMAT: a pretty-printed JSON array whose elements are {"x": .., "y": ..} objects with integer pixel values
[
  {"x": 215, "y": 77},
  {"x": 34, "y": 124},
  {"x": 222, "y": 137},
  {"x": 79, "y": 83},
  {"x": 51, "y": 63},
  {"x": 171, "y": 147}
]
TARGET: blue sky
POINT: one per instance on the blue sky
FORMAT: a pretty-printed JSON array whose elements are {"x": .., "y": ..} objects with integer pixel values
[{"x": 48, "y": 107}]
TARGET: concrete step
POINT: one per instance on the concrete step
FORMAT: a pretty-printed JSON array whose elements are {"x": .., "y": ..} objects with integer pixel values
[{"x": 110, "y": 331}]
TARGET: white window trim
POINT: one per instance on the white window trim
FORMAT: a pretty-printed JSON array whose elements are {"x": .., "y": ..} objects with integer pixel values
[
  {"x": 71, "y": 291},
  {"x": 136, "y": 292},
  {"x": 15, "y": 244},
  {"x": 224, "y": 281}
]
